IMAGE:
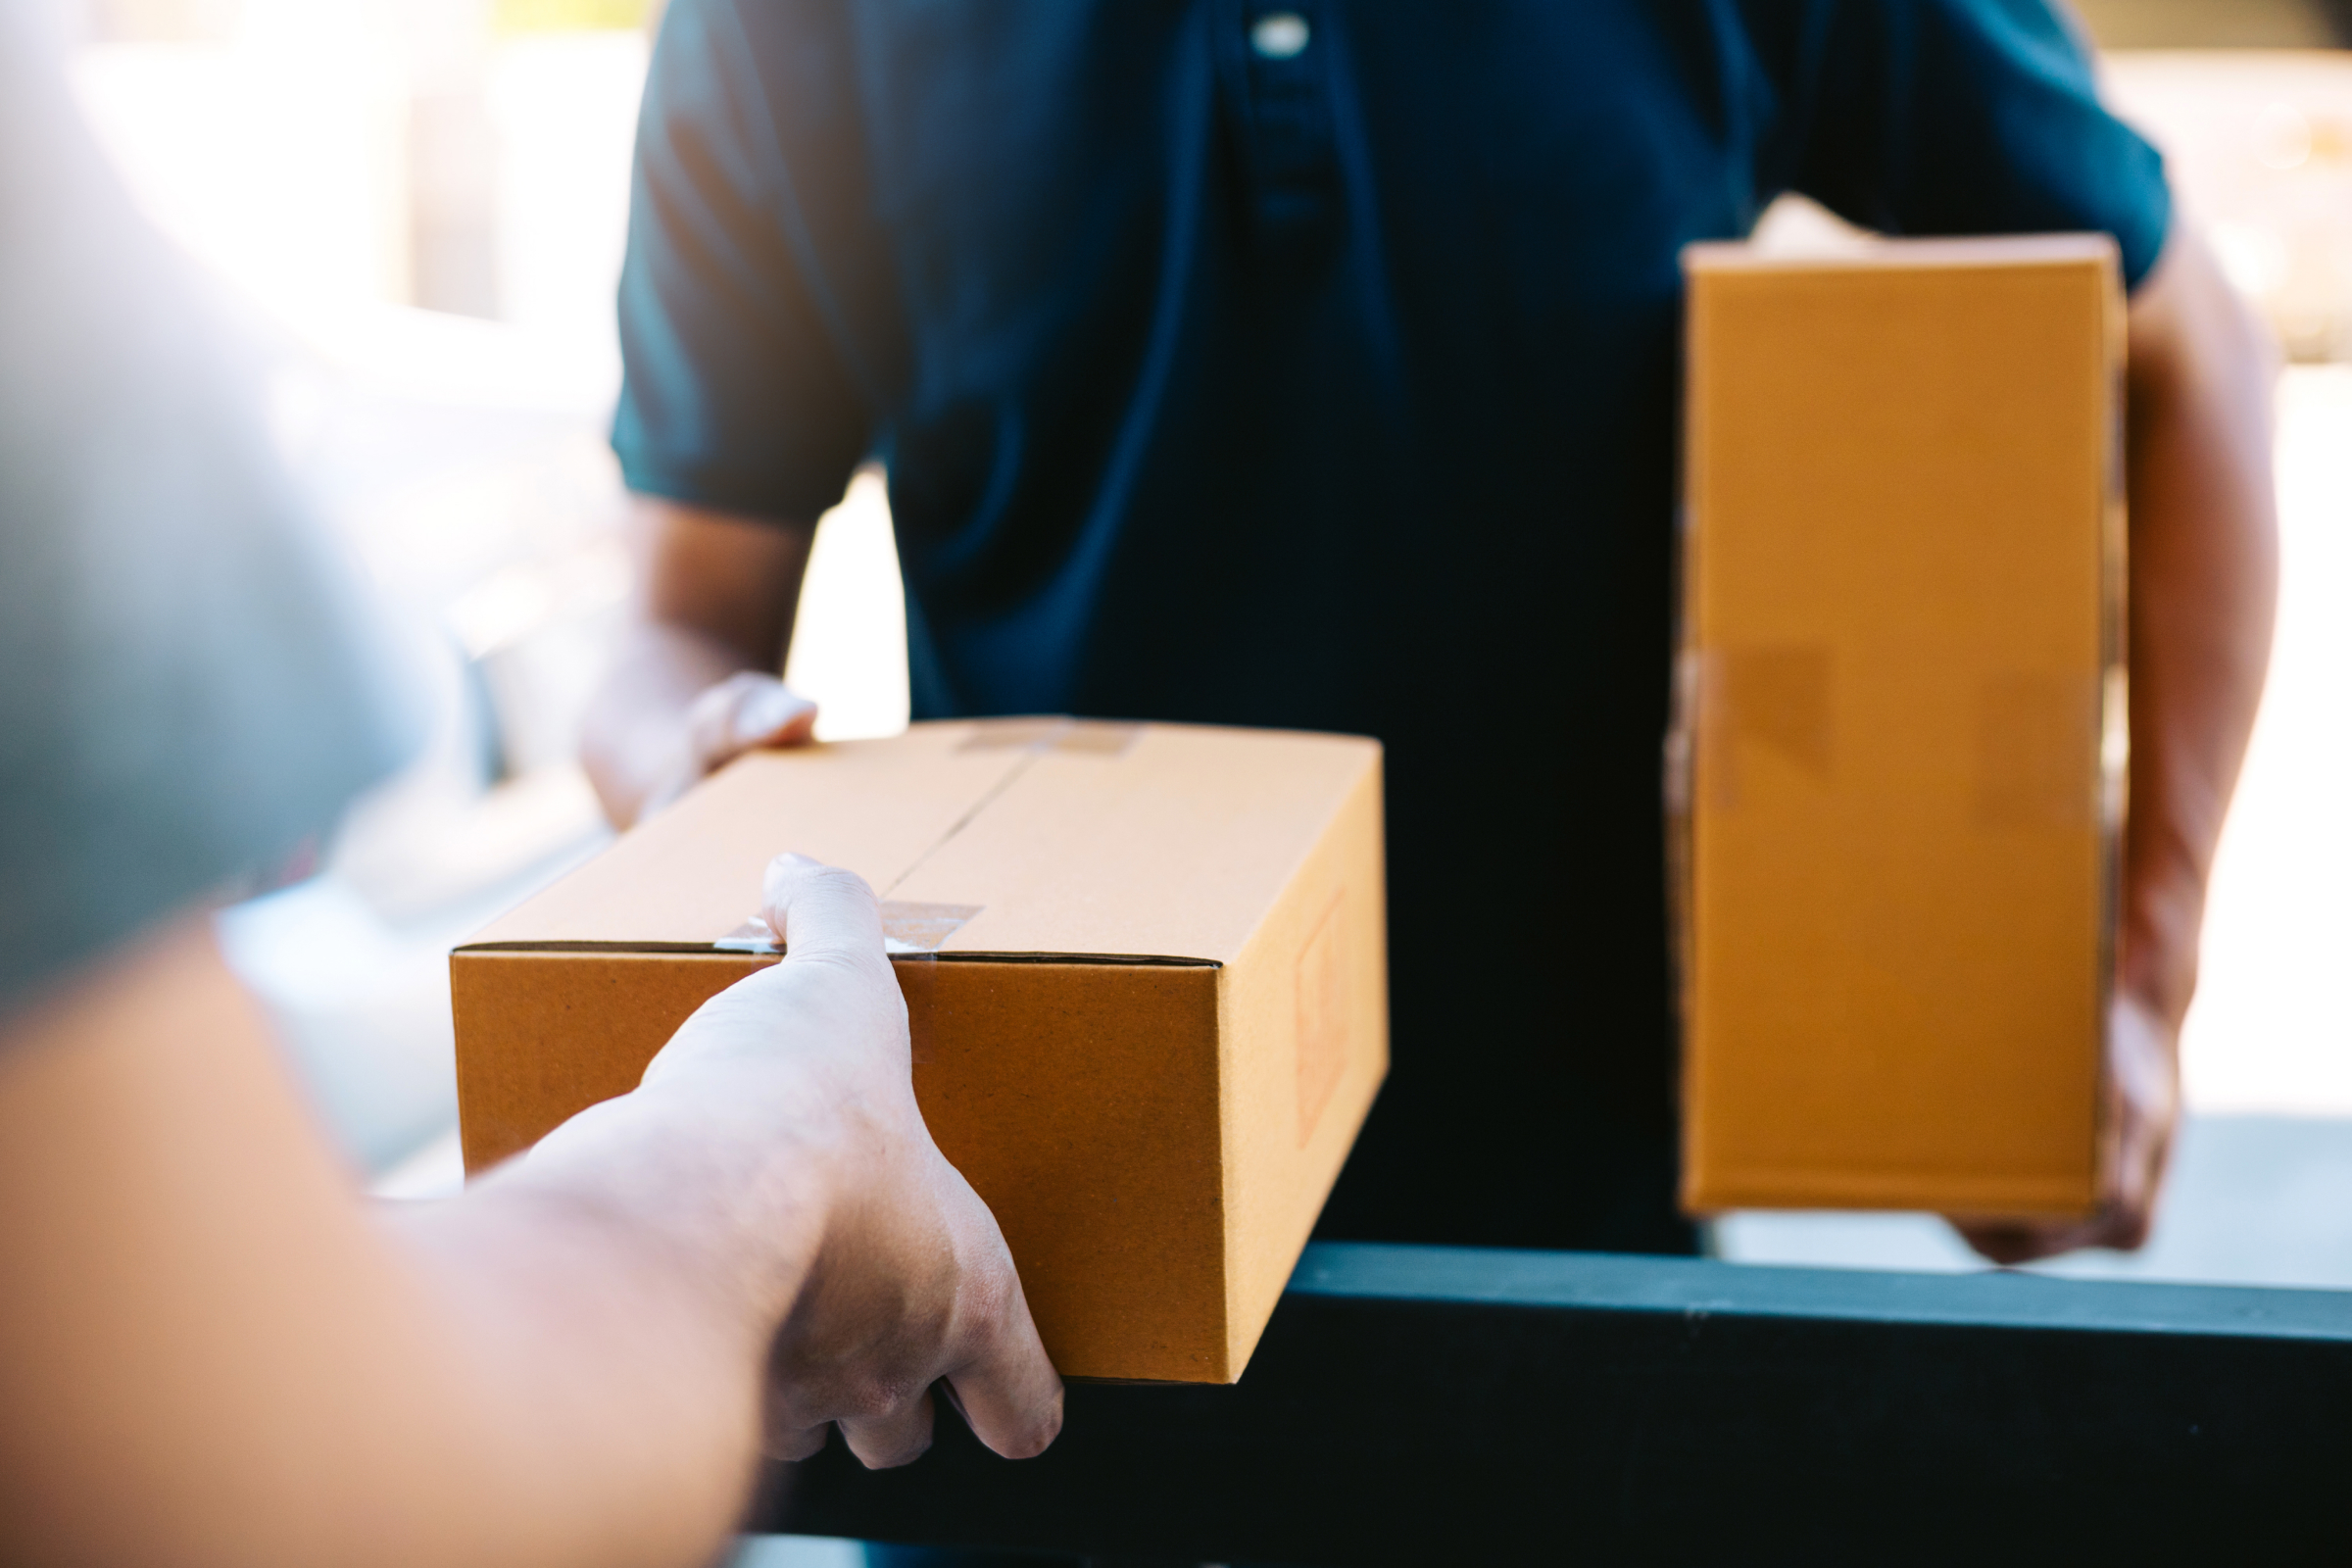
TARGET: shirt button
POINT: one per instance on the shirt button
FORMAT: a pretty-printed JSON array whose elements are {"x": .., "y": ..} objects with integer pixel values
[{"x": 1279, "y": 34}]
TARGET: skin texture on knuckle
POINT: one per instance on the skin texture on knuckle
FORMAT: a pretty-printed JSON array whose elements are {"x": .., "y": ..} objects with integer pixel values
[
  {"x": 987, "y": 1300},
  {"x": 880, "y": 1397},
  {"x": 990, "y": 1282},
  {"x": 890, "y": 1450},
  {"x": 986, "y": 1325}
]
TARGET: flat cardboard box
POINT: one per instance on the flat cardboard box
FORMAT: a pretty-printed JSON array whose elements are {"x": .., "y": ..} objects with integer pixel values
[
  {"x": 1897, "y": 762},
  {"x": 1144, "y": 968}
]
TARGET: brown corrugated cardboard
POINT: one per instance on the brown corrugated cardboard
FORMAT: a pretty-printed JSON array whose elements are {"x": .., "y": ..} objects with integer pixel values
[
  {"x": 1897, "y": 760},
  {"x": 1145, "y": 967}
]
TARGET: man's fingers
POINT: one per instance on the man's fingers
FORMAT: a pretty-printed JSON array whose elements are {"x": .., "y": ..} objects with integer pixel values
[
  {"x": 2005, "y": 1244},
  {"x": 743, "y": 712},
  {"x": 2119, "y": 1225},
  {"x": 882, "y": 1442},
  {"x": 2010, "y": 1245},
  {"x": 819, "y": 910},
  {"x": 772, "y": 713},
  {"x": 2142, "y": 1086}
]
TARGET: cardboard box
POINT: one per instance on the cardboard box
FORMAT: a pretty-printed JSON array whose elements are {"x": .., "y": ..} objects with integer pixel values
[
  {"x": 1898, "y": 762},
  {"x": 1145, "y": 967}
]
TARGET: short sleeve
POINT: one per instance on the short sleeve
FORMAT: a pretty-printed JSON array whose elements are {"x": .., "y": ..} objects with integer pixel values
[
  {"x": 1968, "y": 117},
  {"x": 188, "y": 693},
  {"x": 748, "y": 382}
]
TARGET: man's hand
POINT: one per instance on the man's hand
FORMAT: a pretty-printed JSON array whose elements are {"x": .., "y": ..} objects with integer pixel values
[
  {"x": 889, "y": 1273},
  {"x": 2140, "y": 1111},
  {"x": 741, "y": 713},
  {"x": 693, "y": 684}
]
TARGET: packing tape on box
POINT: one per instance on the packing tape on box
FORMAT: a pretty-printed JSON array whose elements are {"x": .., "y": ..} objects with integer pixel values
[
  {"x": 1089, "y": 737},
  {"x": 905, "y": 928},
  {"x": 1776, "y": 696},
  {"x": 2039, "y": 740},
  {"x": 2050, "y": 749}
]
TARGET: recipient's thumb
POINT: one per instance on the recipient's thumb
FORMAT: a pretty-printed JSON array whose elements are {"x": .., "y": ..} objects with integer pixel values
[{"x": 819, "y": 910}]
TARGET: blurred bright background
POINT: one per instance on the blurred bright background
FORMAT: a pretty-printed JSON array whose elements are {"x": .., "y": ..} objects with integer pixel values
[{"x": 419, "y": 204}]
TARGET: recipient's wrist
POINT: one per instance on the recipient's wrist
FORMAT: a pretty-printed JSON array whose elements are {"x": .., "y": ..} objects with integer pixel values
[{"x": 737, "y": 1167}]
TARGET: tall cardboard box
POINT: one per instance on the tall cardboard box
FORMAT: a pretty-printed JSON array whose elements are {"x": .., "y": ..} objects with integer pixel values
[
  {"x": 1145, "y": 970},
  {"x": 1897, "y": 763}
]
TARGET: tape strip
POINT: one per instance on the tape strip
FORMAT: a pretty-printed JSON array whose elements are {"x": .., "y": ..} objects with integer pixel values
[
  {"x": 905, "y": 928},
  {"x": 922, "y": 928},
  {"x": 2039, "y": 739},
  {"x": 1776, "y": 697},
  {"x": 1090, "y": 737}
]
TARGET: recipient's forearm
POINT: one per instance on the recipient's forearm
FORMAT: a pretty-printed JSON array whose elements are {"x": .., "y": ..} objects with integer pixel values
[
  {"x": 211, "y": 1355},
  {"x": 614, "y": 1308},
  {"x": 603, "y": 1399},
  {"x": 2204, "y": 583}
]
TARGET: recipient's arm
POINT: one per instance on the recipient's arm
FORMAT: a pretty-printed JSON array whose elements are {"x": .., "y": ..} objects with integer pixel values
[
  {"x": 696, "y": 680},
  {"x": 2204, "y": 580},
  {"x": 212, "y": 1353}
]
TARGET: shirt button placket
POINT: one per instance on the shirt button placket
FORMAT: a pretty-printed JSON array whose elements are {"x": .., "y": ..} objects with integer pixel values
[{"x": 1288, "y": 124}]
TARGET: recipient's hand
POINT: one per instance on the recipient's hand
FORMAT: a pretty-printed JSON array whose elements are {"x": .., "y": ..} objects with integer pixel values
[
  {"x": 795, "y": 1090},
  {"x": 2141, "y": 1113}
]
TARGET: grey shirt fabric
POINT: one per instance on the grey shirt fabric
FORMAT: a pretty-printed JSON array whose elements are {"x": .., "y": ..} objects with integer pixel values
[{"x": 187, "y": 692}]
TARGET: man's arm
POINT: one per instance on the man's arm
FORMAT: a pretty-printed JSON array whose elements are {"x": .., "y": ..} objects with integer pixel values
[
  {"x": 696, "y": 680},
  {"x": 212, "y": 1353},
  {"x": 2204, "y": 579}
]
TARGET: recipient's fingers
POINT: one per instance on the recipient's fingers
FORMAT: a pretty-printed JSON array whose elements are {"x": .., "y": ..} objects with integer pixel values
[
  {"x": 795, "y": 1442},
  {"x": 884, "y": 1442},
  {"x": 1012, "y": 1402},
  {"x": 820, "y": 911},
  {"x": 1009, "y": 1392}
]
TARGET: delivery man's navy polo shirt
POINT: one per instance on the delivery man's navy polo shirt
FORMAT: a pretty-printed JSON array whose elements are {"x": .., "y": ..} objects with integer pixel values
[{"x": 1317, "y": 368}]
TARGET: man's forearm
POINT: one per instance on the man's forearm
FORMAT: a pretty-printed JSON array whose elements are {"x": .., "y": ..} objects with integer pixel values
[
  {"x": 2203, "y": 589},
  {"x": 715, "y": 598}
]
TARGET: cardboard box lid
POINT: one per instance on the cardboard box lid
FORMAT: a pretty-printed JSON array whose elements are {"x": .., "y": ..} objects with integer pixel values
[
  {"x": 1043, "y": 836},
  {"x": 1878, "y": 255}
]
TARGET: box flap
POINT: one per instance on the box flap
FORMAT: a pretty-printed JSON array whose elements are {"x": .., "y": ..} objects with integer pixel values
[{"x": 1043, "y": 836}]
